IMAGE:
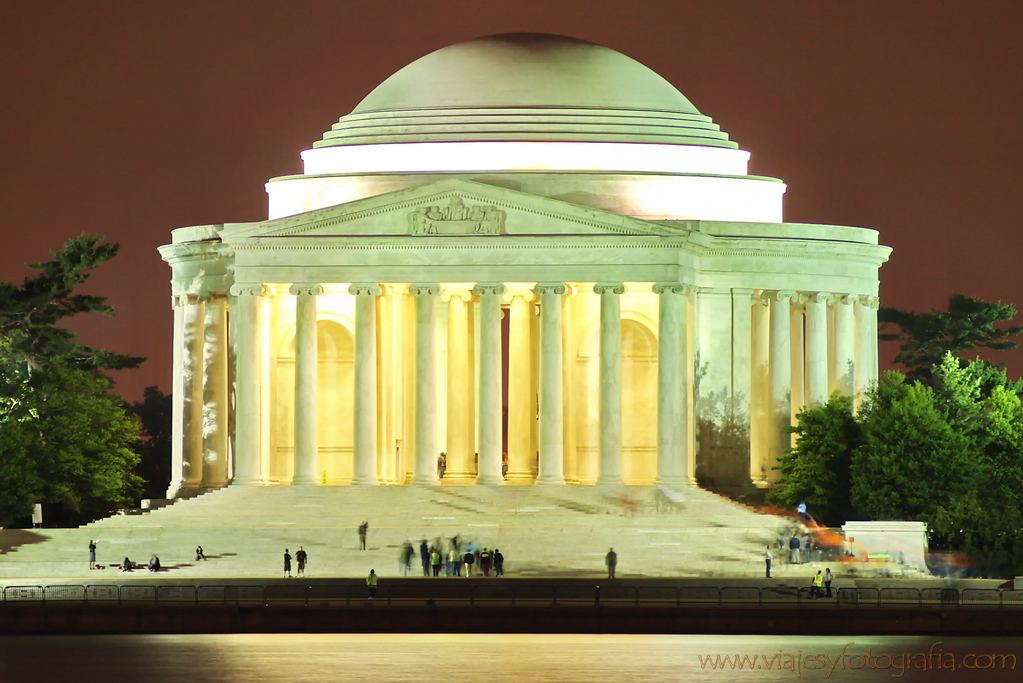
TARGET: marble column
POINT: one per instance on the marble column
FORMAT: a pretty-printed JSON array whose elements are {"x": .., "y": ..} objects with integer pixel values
[
  {"x": 307, "y": 368},
  {"x": 215, "y": 393},
  {"x": 844, "y": 363},
  {"x": 866, "y": 344},
  {"x": 365, "y": 442},
  {"x": 610, "y": 409},
  {"x": 461, "y": 403},
  {"x": 426, "y": 452},
  {"x": 490, "y": 412},
  {"x": 779, "y": 407},
  {"x": 552, "y": 408},
  {"x": 672, "y": 389},
  {"x": 817, "y": 348},
  {"x": 521, "y": 408},
  {"x": 186, "y": 420},
  {"x": 248, "y": 308}
]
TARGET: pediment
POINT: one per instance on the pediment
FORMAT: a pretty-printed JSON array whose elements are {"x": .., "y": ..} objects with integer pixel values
[{"x": 452, "y": 207}]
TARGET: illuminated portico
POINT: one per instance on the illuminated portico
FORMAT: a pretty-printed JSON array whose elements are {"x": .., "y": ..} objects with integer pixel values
[{"x": 581, "y": 303}]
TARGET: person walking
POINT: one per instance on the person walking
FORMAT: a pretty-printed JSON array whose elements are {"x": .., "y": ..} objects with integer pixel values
[
  {"x": 405, "y": 559},
  {"x": 287, "y": 564},
  {"x": 468, "y": 559},
  {"x": 768, "y": 556},
  {"x": 498, "y": 563},
  {"x": 371, "y": 582},
  {"x": 828, "y": 578},
  {"x": 424, "y": 556},
  {"x": 363, "y": 530},
  {"x": 611, "y": 560},
  {"x": 818, "y": 581},
  {"x": 92, "y": 554},
  {"x": 301, "y": 557}
]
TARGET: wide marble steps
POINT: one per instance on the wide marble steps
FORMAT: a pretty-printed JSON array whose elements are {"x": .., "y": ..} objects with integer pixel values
[{"x": 541, "y": 530}]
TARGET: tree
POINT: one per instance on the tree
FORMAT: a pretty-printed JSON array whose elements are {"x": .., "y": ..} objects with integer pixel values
[
  {"x": 68, "y": 443},
  {"x": 967, "y": 325},
  {"x": 30, "y": 314},
  {"x": 154, "y": 449},
  {"x": 912, "y": 462},
  {"x": 817, "y": 470},
  {"x": 65, "y": 440}
]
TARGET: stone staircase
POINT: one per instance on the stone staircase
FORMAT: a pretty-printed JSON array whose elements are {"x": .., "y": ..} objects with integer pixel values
[{"x": 542, "y": 531}]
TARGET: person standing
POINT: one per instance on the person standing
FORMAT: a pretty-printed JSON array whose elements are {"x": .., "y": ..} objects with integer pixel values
[
  {"x": 435, "y": 560},
  {"x": 287, "y": 564},
  {"x": 485, "y": 559},
  {"x": 828, "y": 578},
  {"x": 363, "y": 530},
  {"x": 424, "y": 556},
  {"x": 301, "y": 557},
  {"x": 92, "y": 554},
  {"x": 611, "y": 560},
  {"x": 454, "y": 568},
  {"x": 794, "y": 550},
  {"x": 371, "y": 582},
  {"x": 498, "y": 563},
  {"x": 469, "y": 559},
  {"x": 768, "y": 556},
  {"x": 818, "y": 581}
]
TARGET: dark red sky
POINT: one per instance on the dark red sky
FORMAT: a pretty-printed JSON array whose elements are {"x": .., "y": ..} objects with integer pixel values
[{"x": 131, "y": 118}]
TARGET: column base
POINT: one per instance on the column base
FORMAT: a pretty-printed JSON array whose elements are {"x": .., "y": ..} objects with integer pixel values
[
  {"x": 490, "y": 480},
  {"x": 305, "y": 481},
  {"x": 519, "y": 479},
  {"x": 610, "y": 481},
  {"x": 426, "y": 480},
  {"x": 674, "y": 482},
  {"x": 246, "y": 481},
  {"x": 458, "y": 479},
  {"x": 550, "y": 480},
  {"x": 366, "y": 481}
]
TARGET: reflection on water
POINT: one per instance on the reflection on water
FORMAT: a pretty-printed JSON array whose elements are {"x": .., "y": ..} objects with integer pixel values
[{"x": 479, "y": 658}]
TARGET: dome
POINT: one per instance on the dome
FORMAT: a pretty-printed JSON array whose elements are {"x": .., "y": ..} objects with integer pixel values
[{"x": 525, "y": 87}]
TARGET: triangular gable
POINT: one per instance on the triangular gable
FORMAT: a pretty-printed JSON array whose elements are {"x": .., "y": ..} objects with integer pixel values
[{"x": 450, "y": 207}]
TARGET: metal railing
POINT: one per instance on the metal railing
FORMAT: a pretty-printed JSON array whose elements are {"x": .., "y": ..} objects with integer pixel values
[{"x": 509, "y": 593}]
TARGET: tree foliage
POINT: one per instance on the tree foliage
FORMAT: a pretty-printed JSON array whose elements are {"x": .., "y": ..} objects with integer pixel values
[
  {"x": 65, "y": 439},
  {"x": 950, "y": 455},
  {"x": 154, "y": 448},
  {"x": 968, "y": 324},
  {"x": 816, "y": 471}
]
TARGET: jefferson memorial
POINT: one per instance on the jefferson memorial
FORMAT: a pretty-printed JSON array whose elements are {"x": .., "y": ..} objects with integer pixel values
[{"x": 521, "y": 260}]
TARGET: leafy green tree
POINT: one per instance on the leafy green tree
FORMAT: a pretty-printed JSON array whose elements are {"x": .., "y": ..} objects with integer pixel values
[
  {"x": 154, "y": 449},
  {"x": 65, "y": 440},
  {"x": 817, "y": 470},
  {"x": 70, "y": 445},
  {"x": 912, "y": 461},
  {"x": 967, "y": 325}
]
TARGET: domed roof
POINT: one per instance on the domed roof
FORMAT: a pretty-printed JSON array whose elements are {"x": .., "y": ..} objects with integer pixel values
[{"x": 525, "y": 87}]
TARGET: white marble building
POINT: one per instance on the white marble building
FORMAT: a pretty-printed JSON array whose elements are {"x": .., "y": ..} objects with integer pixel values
[{"x": 533, "y": 255}]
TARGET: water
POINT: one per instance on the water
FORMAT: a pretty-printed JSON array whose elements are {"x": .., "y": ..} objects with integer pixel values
[{"x": 485, "y": 658}]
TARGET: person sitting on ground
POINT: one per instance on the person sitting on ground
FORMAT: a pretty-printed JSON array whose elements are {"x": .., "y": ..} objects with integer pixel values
[
  {"x": 199, "y": 554},
  {"x": 154, "y": 563},
  {"x": 127, "y": 566}
]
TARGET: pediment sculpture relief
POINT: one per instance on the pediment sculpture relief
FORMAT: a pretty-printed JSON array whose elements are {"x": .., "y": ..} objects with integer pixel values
[{"x": 457, "y": 219}]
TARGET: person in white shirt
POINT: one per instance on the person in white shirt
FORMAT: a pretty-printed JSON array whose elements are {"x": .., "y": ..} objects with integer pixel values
[{"x": 767, "y": 558}]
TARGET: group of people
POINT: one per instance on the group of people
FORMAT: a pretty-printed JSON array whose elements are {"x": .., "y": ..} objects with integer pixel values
[
  {"x": 301, "y": 558},
  {"x": 128, "y": 565},
  {"x": 451, "y": 559}
]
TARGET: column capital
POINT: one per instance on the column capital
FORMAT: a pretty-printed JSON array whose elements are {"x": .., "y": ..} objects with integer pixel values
[
  {"x": 464, "y": 295},
  {"x": 542, "y": 288},
  {"x": 249, "y": 288},
  {"x": 311, "y": 288},
  {"x": 867, "y": 301},
  {"x": 364, "y": 288},
  {"x": 847, "y": 299},
  {"x": 816, "y": 297},
  {"x": 520, "y": 292},
  {"x": 482, "y": 288},
  {"x": 671, "y": 288},
  {"x": 781, "y": 295},
  {"x": 429, "y": 288},
  {"x": 609, "y": 288}
]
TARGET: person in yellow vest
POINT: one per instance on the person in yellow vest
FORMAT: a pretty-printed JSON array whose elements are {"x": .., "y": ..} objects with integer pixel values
[
  {"x": 371, "y": 581},
  {"x": 818, "y": 582}
]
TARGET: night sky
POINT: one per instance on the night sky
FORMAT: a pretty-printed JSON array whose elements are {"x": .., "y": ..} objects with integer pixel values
[{"x": 131, "y": 118}]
